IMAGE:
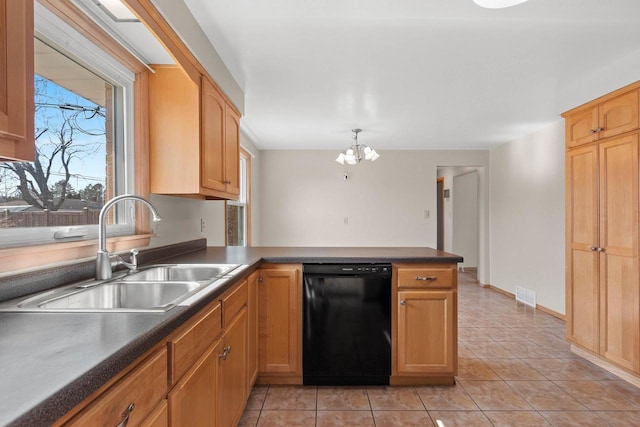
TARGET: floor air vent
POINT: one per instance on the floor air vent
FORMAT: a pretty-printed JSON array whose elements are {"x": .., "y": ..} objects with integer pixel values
[{"x": 526, "y": 296}]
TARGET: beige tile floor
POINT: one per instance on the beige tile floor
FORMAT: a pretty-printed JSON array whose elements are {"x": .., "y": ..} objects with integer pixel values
[{"x": 515, "y": 369}]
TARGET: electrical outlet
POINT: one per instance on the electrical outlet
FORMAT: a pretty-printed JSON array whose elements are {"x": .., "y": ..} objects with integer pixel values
[{"x": 202, "y": 225}]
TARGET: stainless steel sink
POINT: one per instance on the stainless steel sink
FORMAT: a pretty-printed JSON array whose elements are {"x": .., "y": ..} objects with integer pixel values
[
  {"x": 157, "y": 288},
  {"x": 115, "y": 295},
  {"x": 181, "y": 272}
]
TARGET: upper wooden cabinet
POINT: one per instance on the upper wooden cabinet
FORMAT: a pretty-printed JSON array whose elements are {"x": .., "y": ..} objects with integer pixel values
[
  {"x": 612, "y": 116},
  {"x": 16, "y": 81},
  {"x": 194, "y": 137}
]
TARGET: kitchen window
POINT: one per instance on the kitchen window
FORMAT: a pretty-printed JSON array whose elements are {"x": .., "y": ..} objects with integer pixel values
[
  {"x": 238, "y": 212},
  {"x": 84, "y": 137}
]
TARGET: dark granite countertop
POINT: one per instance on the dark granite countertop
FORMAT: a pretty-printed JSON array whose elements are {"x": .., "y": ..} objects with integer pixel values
[{"x": 50, "y": 362}]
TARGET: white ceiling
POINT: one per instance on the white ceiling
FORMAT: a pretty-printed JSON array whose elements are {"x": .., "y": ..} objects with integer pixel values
[{"x": 413, "y": 74}]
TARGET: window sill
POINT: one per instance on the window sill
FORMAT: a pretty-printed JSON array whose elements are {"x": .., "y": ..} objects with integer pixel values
[{"x": 16, "y": 260}]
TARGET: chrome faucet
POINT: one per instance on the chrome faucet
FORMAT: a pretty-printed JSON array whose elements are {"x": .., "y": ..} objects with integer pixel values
[{"x": 105, "y": 261}]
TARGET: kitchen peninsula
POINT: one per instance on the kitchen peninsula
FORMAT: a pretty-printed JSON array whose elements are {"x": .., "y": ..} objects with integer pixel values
[{"x": 64, "y": 367}]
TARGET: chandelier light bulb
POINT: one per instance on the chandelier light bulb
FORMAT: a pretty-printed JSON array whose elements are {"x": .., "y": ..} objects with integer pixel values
[{"x": 357, "y": 152}]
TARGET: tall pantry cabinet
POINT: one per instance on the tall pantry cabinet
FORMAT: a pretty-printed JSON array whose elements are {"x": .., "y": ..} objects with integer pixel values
[{"x": 602, "y": 236}]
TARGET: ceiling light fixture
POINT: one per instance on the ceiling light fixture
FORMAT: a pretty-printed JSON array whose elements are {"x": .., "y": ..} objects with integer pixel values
[
  {"x": 354, "y": 154},
  {"x": 497, "y": 4}
]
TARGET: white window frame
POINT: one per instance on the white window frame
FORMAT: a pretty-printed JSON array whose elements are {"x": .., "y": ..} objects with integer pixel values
[
  {"x": 60, "y": 35},
  {"x": 242, "y": 198}
]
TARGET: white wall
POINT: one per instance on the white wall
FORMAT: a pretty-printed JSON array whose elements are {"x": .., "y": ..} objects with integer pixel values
[
  {"x": 464, "y": 197},
  {"x": 527, "y": 215},
  {"x": 305, "y": 200}
]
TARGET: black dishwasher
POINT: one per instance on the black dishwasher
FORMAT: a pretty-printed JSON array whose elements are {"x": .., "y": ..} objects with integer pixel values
[{"x": 347, "y": 324}]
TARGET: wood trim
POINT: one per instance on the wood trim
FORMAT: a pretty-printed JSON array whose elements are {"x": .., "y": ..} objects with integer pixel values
[
  {"x": 279, "y": 380},
  {"x": 594, "y": 102},
  {"x": 166, "y": 35},
  {"x": 606, "y": 365},
  {"x": 27, "y": 257},
  {"x": 78, "y": 20},
  {"x": 141, "y": 147},
  {"x": 551, "y": 312},
  {"x": 537, "y": 307}
]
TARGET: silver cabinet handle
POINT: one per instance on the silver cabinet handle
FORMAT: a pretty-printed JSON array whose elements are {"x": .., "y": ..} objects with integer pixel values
[
  {"x": 593, "y": 249},
  {"x": 592, "y": 131},
  {"x": 599, "y": 130},
  {"x": 427, "y": 278},
  {"x": 224, "y": 354},
  {"x": 125, "y": 415},
  {"x": 600, "y": 249},
  {"x": 228, "y": 349},
  {"x": 403, "y": 302}
]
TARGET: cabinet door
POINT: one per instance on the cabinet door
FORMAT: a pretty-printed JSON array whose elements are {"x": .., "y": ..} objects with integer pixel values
[
  {"x": 426, "y": 336},
  {"x": 252, "y": 333},
  {"x": 582, "y": 239},
  {"x": 16, "y": 81},
  {"x": 618, "y": 115},
  {"x": 580, "y": 128},
  {"x": 280, "y": 321},
  {"x": 232, "y": 383},
  {"x": 194, "y": 400},
  {"x": 619, "y": 281},
  {"x": 212, "y": 138},
  {"x": 232, "y": 151}
]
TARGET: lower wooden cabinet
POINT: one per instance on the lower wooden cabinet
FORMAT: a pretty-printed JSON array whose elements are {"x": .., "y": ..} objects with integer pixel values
[
  {"x": 194, "y": 400},
  {"x": 424, "y": 324},
  {"x": 280, "y": 322}
]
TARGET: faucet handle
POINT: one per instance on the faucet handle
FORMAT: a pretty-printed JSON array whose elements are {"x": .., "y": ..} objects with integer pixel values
[{"x": 133, "y": 258}]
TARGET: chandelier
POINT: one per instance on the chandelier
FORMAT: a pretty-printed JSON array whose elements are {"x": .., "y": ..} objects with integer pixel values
[{"x": 357, "y": 152}]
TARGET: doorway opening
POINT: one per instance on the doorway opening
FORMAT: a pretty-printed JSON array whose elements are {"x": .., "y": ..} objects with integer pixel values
[{"x": 457, "y": 189}]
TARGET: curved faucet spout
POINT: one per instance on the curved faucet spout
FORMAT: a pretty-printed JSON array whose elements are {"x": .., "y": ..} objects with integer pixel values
[{"x": 103, "y": 260}]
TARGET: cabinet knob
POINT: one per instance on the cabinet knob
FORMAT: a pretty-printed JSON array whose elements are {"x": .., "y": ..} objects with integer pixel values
[
  {"x": 125, "y": 415},
  {"x": 592, "y": 131},
  {"x": 260, "y": 280},
  {"x": 403, "y": 302},
  {"x": 593, "y": 249},
  {"x": 223, "y": 355},
  {"x": 600, "y": 249}
]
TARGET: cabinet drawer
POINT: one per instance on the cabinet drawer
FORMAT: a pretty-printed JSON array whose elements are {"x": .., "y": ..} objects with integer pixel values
[
  {"x": 141, "y": 389},
  {"x": 233, "y": 302},
  {"x": 189, "y": 344},
  {"x": 425, "y": 278}
]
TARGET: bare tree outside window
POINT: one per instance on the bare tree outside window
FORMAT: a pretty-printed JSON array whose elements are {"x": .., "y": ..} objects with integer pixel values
[{"x": 70, "y": 161}]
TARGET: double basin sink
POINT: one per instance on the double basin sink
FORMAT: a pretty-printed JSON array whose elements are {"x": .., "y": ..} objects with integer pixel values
[{"x": 156, "y": 288}]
